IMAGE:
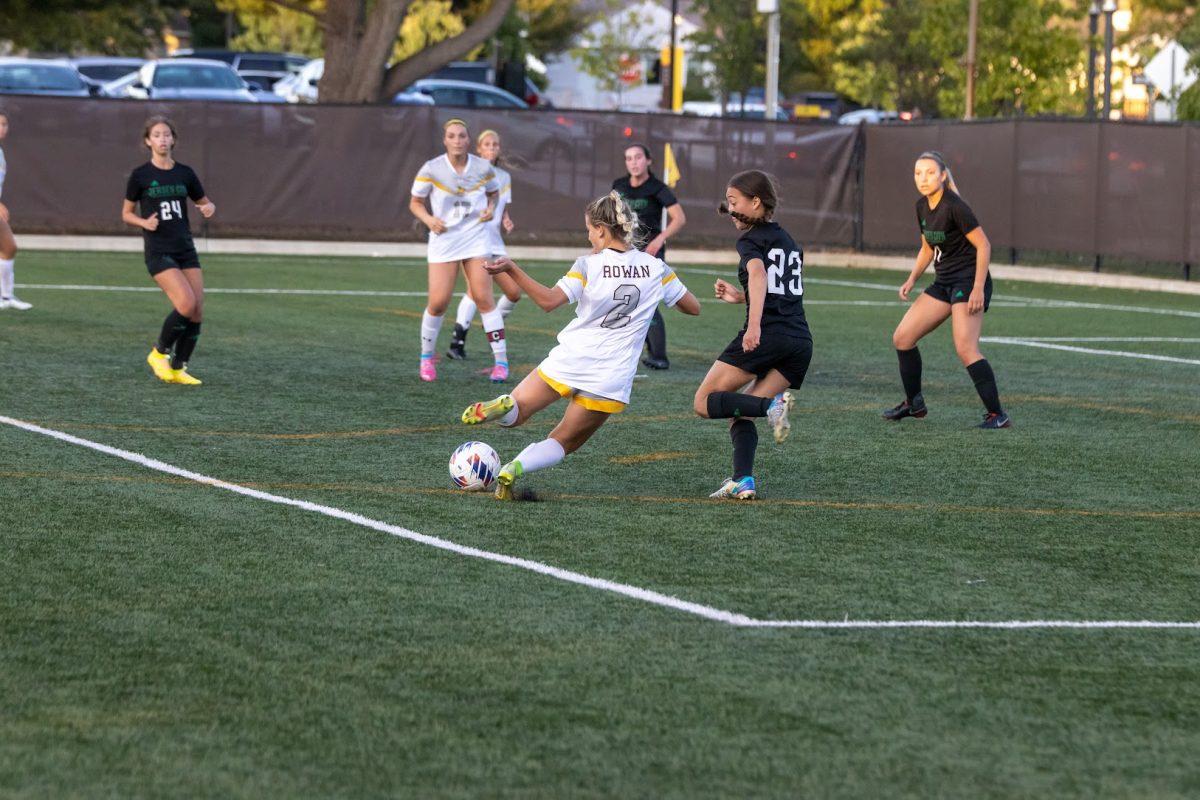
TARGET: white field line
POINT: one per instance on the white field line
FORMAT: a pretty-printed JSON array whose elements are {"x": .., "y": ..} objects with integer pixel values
[
  {"x": 1088, "y": 350},
  {"x": 383, "y": 293},
  {"x": 1175, "y": 339},
  {"x": 624, "y": 589}
]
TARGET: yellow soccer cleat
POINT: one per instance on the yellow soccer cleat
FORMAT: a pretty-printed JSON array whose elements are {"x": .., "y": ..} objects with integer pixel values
[
  {"x": 482, "y": 412},
  {"x": 161, "y": 364},
  {"x": 181, "y": 376},
  {"x": 504, "y": 481}
]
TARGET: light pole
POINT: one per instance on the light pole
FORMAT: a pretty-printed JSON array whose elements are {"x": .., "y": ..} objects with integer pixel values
[
  {"x": 1110, "y": 7},
  {"x": 771, "y": 9},
  {"x": 1093, "y": 24},
  {"x": 972, "y": 29}
]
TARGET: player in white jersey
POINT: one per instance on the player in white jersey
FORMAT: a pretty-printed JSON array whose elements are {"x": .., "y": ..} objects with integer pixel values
[
  {"x": 487, "y": 146},
  {"x": 617, "y": 288},
  {"x": 462, "y": 191},
  {"x": 8, "y": 244}
]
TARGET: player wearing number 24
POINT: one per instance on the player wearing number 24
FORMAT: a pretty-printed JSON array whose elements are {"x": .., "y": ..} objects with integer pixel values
[
  {"x": 617, "y": 288},
  {"x": 156, "y": 200}
]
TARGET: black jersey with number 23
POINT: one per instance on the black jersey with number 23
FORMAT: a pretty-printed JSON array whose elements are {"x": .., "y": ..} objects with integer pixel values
[
  {"x": 164, "y": 193},
  {"x": 783, "y": 306}
]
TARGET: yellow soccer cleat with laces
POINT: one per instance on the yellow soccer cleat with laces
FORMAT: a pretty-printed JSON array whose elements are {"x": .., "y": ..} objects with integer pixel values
[
  {"x": 161, "y": 364},
  {"x": 507, "y": 477},
  {"x": 491, "y": 409},
  {"x": 181, "y": 376}
]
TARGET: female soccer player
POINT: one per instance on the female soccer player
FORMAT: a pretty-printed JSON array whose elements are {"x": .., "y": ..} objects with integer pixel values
[
  {"x": 462, "y": 191},
  {"x": 487, "y": 147},
  {"x": 958, "y": 248},
  {"x": 617, "y": 288},
  {"x": 772, "y": 351},
  {"x": 156, "y": 201},
  {"x": 8, "y": 244},
  {"x": 649, "y": 197}
]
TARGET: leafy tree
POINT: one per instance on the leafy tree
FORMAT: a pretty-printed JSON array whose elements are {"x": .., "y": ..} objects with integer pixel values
[
  {"x": 612, "y": 45},
  {"x": 735, "y": 44},
  {"x": 361, "y": 37},
  {"x": 67, "y": 26}
]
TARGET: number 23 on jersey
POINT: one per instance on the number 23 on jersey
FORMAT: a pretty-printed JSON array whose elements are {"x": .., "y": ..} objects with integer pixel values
[{"x": 784, "y": 272}]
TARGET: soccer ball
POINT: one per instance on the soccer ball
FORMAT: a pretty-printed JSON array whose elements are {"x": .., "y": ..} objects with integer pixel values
[{"x": 474, "y": 466}]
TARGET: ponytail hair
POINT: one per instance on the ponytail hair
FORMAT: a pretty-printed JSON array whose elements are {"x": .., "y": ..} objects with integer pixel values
[
  {"x": 940, "y": 160},
  {"x": 613, "y": 212}
]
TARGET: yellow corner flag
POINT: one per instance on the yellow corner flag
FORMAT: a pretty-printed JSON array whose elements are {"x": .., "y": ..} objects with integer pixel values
[{"x": 671, "y": 174}]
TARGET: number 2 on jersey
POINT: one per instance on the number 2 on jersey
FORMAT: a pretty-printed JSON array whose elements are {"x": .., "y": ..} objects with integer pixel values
[
  {"x": 628, "y": 296},
  {"x": 170, "y": 209},
  {"x": 775, "y": 272}
]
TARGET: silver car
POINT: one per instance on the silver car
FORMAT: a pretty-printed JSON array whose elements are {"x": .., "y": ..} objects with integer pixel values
[{"x": 185, "y": 79}]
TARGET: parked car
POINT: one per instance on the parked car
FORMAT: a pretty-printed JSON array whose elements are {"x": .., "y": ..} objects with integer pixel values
[
  {"x": 301, "y": 86},
  {"x": 482, "y": 72},
  {"x": 263, "y": 70},
  {"x": 731, "y": 111},
  {"x": 874, "y": 116},
  {"x": 43, "y": 76},
  {"x": 461, "y": 93},
  {"x": 99, "y": 70},
  {"x": 186, "y": 79}
]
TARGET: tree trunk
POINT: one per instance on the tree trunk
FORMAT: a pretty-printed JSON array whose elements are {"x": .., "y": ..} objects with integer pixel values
[
  {"x": 403, "y": 73},
  {"x": 358, "y": 47}
]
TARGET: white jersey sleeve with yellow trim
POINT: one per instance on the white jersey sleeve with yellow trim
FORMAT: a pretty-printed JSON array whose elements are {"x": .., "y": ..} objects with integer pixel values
[{"x": 616, "y": 294}]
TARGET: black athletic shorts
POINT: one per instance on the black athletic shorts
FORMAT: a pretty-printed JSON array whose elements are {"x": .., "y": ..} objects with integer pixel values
[
  {"x": 180, "y": 259},
  {"x": 959, "y": 290},
  {"x": 788, "y": 354}
]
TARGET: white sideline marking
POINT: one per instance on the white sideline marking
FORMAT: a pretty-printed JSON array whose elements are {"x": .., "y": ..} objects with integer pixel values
[
  {"x": 1089, "y": 350},
  {"x": 1175, "y": 339},
  {"x": 1039, "y": 301},
  {"x": 634, "y": 592},
  {"x": 211, "y": 290}
]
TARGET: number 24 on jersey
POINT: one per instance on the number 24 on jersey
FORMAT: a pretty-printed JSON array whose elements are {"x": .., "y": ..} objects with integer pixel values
[
  {"x": 170, "y": 209},
  {"x": 780, "y": 263}
]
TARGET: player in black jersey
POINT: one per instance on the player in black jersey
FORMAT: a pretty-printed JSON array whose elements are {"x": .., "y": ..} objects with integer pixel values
[
  {"x": 772, "y": 351},
  {"x": 953, "y": 242},
  {"x": 156, "y": 198},
  {"x": 649, "y": 197}
]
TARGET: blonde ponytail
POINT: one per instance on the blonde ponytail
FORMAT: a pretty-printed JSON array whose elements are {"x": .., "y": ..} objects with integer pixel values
[{"x": 614, "y": 212}]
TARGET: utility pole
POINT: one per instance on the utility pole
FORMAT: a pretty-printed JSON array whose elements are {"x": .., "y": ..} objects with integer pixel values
[
  {"x": 1093, "y": 22},
  {"x": 972, "y": 34},
  {"x": 771, "y": 9},
  {"x": 1110, "y": 7}
]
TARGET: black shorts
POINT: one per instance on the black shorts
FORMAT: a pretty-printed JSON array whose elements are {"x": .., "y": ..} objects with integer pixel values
[
  {"x": 788, "y": 354},
  {"x": 180, "y": 259},
  {"x": 958, "y": 290}
]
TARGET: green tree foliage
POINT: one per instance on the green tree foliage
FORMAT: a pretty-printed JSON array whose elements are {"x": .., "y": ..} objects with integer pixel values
[
  {"x": 734, "y": 41},
  {"x": 909, "y": 54},
  {"x": 615, "y": 43},
  {"x": 1189, "y": 103},
  {"x": 113, "y": 27}
]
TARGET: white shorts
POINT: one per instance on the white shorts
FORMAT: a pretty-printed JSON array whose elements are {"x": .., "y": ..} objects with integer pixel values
[
  {"x": 495, "y": 241},
  {"x": 458, "y": 245},
  {"x": 588, "y": 375}
]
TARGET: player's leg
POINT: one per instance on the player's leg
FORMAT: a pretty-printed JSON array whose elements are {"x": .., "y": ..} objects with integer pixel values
[
  {"x": 656, "y": 342},
  {"x": 8, "y": 254},
  {"x": 718, "y": 398},
  {"x": 512, "y": 293},
  {"x": 183, "y": 305},
  {"x": 967, "y": 328},
  {"x": 441, "y": 286},
  {"x": 186, "y": 344},
  {"x": 576, "y": 427},
  {"x": 512, "y": 410},
  {"x": 922, "y": 317},
  {"x": 462, "y": 326},
  {"x": 479, "y": 286}
]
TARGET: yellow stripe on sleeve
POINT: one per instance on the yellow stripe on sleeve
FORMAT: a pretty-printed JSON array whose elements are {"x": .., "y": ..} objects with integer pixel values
[
  {"x": 577, "y": 276},
  {"x": 669, "y": 278}
]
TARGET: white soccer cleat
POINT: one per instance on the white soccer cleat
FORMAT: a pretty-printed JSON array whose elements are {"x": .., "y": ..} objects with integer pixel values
[
  {"x": 15, "y": 304},
  {"x": 777, "y": 415}
]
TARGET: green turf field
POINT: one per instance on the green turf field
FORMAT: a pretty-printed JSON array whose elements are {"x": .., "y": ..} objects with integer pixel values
[{"x": 163, "y": 637}]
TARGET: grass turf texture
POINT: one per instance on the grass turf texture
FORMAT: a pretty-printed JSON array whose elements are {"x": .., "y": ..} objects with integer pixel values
[{"x": 165, "y": 638}]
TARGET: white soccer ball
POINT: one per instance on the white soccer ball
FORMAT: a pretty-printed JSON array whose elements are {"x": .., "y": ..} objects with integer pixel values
[{"x": 474, "y": 466}]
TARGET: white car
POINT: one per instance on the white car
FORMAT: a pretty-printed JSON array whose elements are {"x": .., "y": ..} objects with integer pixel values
[
  {"x": 301, "y": 87},
  {"x": 184, "y": 79}
]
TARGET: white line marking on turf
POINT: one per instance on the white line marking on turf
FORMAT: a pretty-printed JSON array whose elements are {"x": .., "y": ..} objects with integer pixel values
[
  {"x": 624, "y": 589},
  {"x": 212, "y": 290},
  {"x": 1176, "y": 339},
  {"x": 1089, "y": 350}
]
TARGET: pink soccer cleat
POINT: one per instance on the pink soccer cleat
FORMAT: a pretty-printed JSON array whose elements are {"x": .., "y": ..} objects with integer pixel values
[
  {"x": 499, "y": 372},
  {"x": 428, "y": 369}
]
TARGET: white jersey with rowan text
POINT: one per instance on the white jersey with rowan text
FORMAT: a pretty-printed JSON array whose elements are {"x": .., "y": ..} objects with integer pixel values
[
  {"x": 616, "y": 293},
  {"x": 494, "y": 227},
  {"x": 457, "y": 199}
]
